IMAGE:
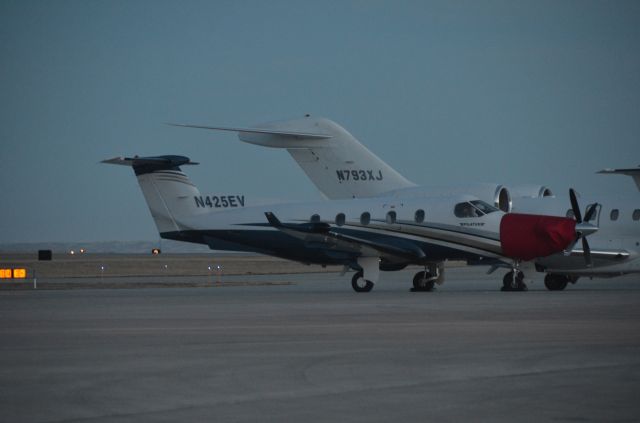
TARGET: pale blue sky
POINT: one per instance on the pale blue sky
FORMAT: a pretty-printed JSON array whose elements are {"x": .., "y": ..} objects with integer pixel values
[{"x": 445, "y": 91}]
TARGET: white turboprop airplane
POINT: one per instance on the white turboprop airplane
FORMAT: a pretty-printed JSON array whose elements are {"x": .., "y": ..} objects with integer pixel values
[
  {"x": 340, "y": 167},
  {"x": 383, "y": 232},
  {"x": 612, "y": 251}
]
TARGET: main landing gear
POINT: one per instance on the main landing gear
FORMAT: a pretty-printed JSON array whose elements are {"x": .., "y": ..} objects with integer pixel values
[
  {"x": 425, "y": 280},
  {"x": 558, "y": 282},
  {"x": 360, "y": 284}
]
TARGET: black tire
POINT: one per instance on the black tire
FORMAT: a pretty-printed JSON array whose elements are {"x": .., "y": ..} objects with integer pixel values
[
  {"x": 507, "y": 282},
  {"x": 420, "y": 282},
  {"x": 358, "y": 285},
  {"x": 556, "y": 282}
]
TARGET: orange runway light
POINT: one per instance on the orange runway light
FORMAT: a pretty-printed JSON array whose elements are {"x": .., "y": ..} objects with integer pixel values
[{"x": 20, "y": 273}]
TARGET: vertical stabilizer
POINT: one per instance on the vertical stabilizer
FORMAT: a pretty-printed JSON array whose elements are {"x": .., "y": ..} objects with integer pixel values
[
  {"x": 337, "y": 164},
  {"x": 169, "y": 192}
]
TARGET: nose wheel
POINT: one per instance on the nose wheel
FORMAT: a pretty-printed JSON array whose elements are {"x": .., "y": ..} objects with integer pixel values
[{"x": 514, "y": 281}]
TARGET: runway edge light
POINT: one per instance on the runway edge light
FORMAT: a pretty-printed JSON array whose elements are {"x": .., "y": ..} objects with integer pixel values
[{"x": 13, "y": 273}]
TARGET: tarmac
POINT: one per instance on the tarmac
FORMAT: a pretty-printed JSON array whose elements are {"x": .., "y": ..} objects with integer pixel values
[{"x": 305, "y": 347}]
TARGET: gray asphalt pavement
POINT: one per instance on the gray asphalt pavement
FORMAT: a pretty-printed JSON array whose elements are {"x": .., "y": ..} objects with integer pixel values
[{"x": 307, "y": 348}]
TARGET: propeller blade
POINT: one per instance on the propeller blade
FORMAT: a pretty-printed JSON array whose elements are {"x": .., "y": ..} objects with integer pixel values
[
  {"x": 569, "y": 249},
  {"x": 587, "y": 251},
  {"x": 574, "y": 205},
  {"x": 582, "y": 229},
  {"x": 591, "y": 212}
]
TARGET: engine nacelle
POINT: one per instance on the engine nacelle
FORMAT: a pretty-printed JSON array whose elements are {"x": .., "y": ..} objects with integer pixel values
[
  {"x": 530, "y": 191},
  {"x": 519, "y": 192}
]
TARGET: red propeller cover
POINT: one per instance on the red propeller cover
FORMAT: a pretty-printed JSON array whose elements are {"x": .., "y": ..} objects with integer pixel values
[{"x": 529, "y": 236}]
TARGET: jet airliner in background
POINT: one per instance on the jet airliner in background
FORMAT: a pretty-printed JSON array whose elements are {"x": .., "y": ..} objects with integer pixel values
[
  {"x": 379, "y": 220},
  {"x": 342, "y": 168}
]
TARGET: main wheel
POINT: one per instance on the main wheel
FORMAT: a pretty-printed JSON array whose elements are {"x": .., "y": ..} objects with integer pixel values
[
  {"x": 556, "y": 282},
  {"x": 508, "y": 285},
  {"x": 423, "y": 281},
  {"x": 360, "y": 284}
]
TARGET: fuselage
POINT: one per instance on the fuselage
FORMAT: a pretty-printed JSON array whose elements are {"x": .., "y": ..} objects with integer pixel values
[{"x": 434, "y": 225}]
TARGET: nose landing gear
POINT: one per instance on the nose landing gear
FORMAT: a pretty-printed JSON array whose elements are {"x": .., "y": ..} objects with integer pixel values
[{"x": 514, "y": 280}]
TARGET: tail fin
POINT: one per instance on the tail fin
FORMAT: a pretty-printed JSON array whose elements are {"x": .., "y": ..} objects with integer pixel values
[
  {"x": 337, "y": 164},
  {"x": 169, "y": 192}
]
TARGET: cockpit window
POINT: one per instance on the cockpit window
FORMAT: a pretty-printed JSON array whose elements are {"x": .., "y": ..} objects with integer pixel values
[
  {"x": 475, "y": 208},
  {"x": 483, "y": 207}
]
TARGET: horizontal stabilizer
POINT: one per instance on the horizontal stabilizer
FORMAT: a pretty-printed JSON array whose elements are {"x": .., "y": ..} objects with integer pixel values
[
  {"x": 143, "y": 165},
  {"x": 634, "y": 172},
  {"x": 172, "y": 161},
  {"x": 281, "y": 133}
]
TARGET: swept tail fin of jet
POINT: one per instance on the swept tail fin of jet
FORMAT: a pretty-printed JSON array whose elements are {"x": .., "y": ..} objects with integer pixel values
[{"x": 333, "y": 159}]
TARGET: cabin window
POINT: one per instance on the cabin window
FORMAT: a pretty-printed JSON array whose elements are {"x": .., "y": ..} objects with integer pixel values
[
  {"x": 315, "y": 218},
  {"x": 419, "y": 216},
  {"x": 340, "y": 219},
  {"x": 365, "y": 218},
  {"x": 570, "y": 214},
  {"x": 391, "y": 217},
  {"x": 614, "y": 214},
  {"x": 636, "y": 214}
]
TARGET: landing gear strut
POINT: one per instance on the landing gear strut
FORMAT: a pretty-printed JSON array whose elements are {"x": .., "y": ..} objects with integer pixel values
[
  {"x": 360, "y": 284},
  {"x": 514, "y": 280}
]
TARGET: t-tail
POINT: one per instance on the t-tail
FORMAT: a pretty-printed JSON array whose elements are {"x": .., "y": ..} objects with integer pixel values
[
  {"x": 333, "y": 159},
  {"x": 169, "y": 192}
]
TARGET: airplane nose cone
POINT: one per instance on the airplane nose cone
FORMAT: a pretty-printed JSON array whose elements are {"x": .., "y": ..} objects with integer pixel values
[{"x": 527, "y": 236}]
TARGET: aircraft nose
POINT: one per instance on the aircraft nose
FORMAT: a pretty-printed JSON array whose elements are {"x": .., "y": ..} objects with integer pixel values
[{"x": 528, "y": 236}]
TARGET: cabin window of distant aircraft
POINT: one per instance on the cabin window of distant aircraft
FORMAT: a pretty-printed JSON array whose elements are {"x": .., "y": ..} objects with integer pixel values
[
  {"x": 614, "y": 214},
  {"x": 475, "y": 208},
  {"x": 315, "y": 218},
  {"x": 419, "y": 216},
  {"x": 365, "y": 218},
  {"x": 636, "y": 214},
  {"x": 340, "y": 219}
]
